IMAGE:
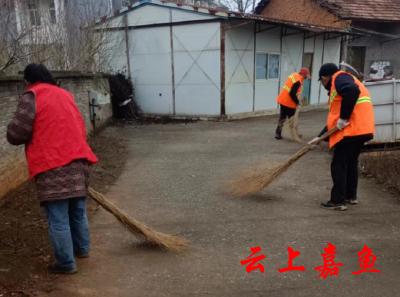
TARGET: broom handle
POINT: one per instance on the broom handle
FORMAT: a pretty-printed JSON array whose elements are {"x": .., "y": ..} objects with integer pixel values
[
  {"x": 325, "y": 136},
  {"x": 307, "y": 148}
]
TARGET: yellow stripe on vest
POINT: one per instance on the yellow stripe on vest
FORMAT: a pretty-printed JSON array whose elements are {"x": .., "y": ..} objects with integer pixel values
[
  {"x": 292, "y": 78},
  {"x": 359, "y": 100},
  {"x": 287, "y": 88},
  {"x": 363, "y": 99},
  {"x": 333, "y": 95}
]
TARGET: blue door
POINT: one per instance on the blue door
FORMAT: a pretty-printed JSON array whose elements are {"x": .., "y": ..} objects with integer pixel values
[{"x": 305, "y": 96}]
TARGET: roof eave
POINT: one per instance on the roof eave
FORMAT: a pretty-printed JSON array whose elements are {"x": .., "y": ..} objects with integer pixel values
[
  {"x": 369, "y": 19},
  {"x": 222, "y": 14}
]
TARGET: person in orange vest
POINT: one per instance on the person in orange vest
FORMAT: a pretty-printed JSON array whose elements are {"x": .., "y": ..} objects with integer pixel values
[
  {"x": 289, "y": 98},
  {"x": 49, "y": 124},
  {"x": 351, "y": 110}
]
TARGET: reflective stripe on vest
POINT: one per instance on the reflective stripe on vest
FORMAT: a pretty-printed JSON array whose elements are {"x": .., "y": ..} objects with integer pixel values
[
  {"x": 361, "y": 119},
  {"x": 289, "y": 89},
  {"x": 363, "y": 99},
  {"x": 284, "y": 97},
  {"x": 359, "y": 100}
]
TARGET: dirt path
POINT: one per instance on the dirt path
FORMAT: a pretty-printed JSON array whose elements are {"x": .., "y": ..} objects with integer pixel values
[
  {"x": 171, "y": 182},
  {"x": 25, "y": 248}
]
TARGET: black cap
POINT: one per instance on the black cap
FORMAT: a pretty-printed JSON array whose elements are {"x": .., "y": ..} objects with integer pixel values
[{"x": 327, "y": 70}]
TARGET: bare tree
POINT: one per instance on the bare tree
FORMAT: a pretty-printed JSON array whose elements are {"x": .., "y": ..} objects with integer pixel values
[
  {"x": 240, "y": 5},
  {"x": 61, "y": 38},
  {"x": 12, "y": 36}
]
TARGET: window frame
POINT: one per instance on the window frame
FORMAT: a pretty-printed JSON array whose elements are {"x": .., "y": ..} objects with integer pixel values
[
  {"x": 267, "y": 74},
  {"x": 36, "y": 22},
  {"x": 53, "y": 12},
  {"x": 279, "y": 66}
]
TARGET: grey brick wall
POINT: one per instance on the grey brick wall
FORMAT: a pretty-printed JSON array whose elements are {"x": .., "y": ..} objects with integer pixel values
[{"x": 13, "y": 168}]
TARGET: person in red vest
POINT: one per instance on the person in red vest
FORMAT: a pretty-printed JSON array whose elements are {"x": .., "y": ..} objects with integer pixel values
[
  {"x": 289, "y": 98},
  {"x": 351, "y": 110},
  {"x": 49, "y": 124}
]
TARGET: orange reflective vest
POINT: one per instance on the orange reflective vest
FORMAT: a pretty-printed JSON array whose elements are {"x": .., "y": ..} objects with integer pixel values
[
  {"x": 284, "y": 97},
  {"x": 361, "y": 120}
]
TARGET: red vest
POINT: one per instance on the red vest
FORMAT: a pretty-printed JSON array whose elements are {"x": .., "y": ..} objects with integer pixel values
[
  {"x": 59, "y": 132},
  {"x": 284, "y": 97},
  {"x": 362, "y": 118}
]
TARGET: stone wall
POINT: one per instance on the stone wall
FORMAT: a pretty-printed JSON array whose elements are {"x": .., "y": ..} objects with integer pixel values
[{"x": 13, "y": 169}]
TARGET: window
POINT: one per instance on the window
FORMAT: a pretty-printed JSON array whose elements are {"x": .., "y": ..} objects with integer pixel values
[
  {"x": 33, "y": 7},
  {"x": 267, "y": 66},
  {"x": 261, "y": 66},
  {"x": 53, "y": 17},
  {"x": 273, "y": 66}
]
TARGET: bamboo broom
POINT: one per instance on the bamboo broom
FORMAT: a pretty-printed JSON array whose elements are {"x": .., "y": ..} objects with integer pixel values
[
  {"x": 172, "y": 243},
  {"x": 292, "y": 125},
  {"x": 256, "y": 181}
]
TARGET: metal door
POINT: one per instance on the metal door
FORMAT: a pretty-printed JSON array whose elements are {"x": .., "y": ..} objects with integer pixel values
[{"x": 197, "y": 75}]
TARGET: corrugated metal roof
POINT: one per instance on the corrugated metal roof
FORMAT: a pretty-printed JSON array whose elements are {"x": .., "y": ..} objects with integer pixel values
[
  {"x": 220, "y": 13},
  {"x": 374, "y": 10}
]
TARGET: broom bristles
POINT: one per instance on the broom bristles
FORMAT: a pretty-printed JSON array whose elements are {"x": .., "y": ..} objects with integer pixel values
[
  {"x": 258, "y": 180},
  {"x": 169, "y": 242},
  {"x": 292, "y": 126}
]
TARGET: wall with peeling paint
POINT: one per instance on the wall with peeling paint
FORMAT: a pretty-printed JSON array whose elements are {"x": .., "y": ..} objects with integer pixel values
[{"x": 376, "y": 50}]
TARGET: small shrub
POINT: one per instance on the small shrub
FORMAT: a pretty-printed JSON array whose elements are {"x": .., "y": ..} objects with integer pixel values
[{"x": 122, "y": 97}]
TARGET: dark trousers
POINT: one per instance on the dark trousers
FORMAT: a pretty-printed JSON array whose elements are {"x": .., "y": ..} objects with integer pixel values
[
  {"x": 286, "y": 112},
  {"x": 344, "y": 170}
]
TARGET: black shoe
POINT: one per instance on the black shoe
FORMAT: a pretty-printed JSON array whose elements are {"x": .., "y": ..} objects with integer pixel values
[
  {"x": 54, "y": 269},
  {"x": 278, "y": 136},
  {"x": 332, "y": 206},
  {"x": 352, "y": 201},
  {"x": 82, "y": 255}
]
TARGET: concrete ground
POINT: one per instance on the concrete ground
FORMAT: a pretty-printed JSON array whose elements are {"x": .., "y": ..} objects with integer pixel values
[{"x": 172, "y": 182}]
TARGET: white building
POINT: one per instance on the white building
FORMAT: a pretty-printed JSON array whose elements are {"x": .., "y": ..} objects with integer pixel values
[
  {"x": 194, "y": 61},
  {"x": 45, "y": 13},
  {"x": 32, "y": 20}
]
